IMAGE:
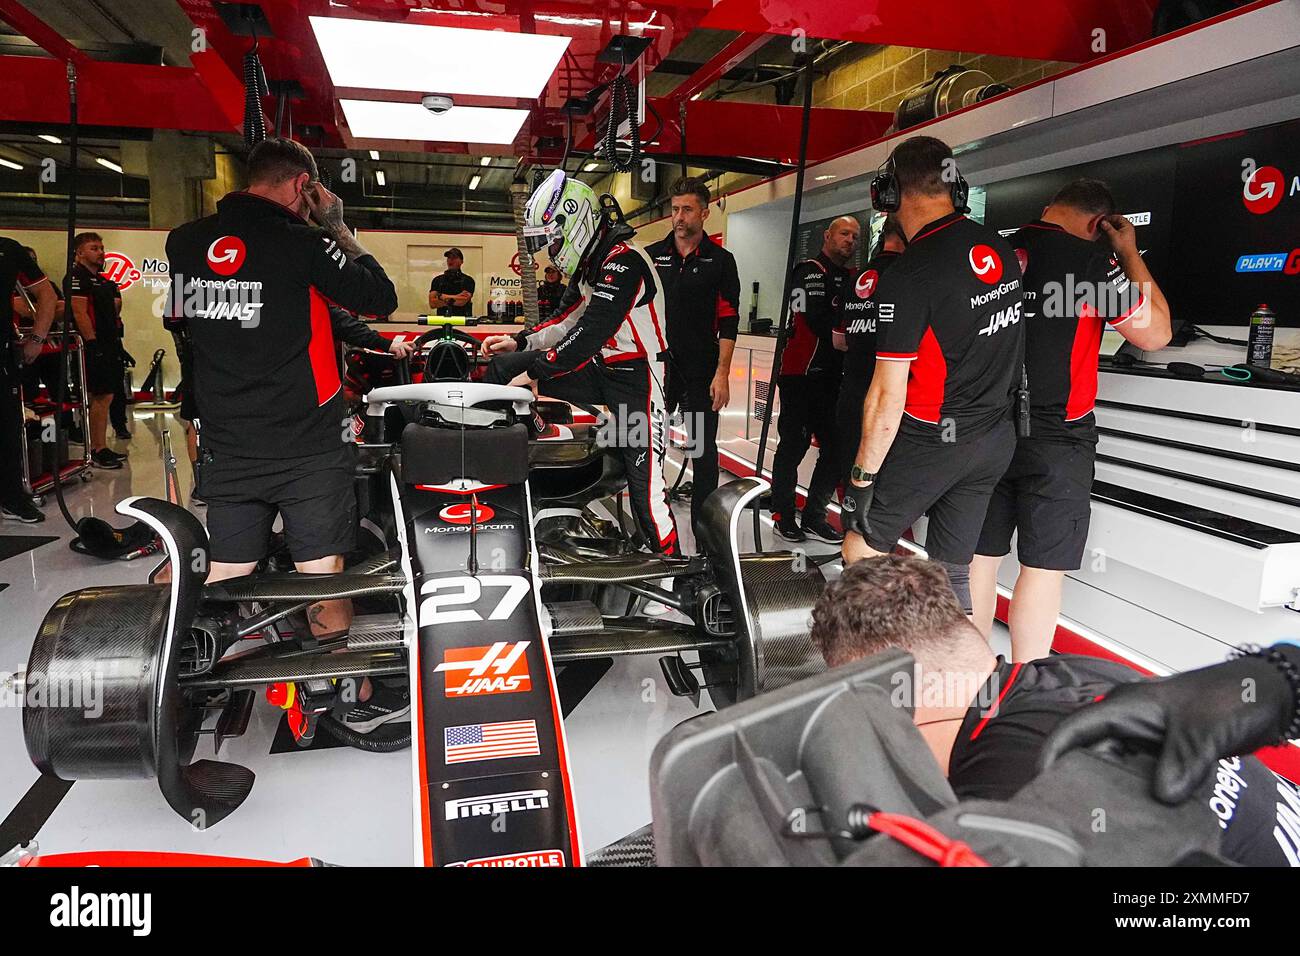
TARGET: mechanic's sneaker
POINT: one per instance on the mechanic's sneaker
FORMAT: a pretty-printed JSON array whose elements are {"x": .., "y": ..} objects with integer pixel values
[
  {"x": 787, "y": 528},
  {"x": 105, "y": 459},
  {"x": 821, "y": 529},
  {"x": 385, "y": 704},
  {"x": 21, "y": 509}
]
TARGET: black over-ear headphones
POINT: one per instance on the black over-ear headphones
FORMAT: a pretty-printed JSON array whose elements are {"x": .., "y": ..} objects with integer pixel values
[{"x": 886, "y": 196}]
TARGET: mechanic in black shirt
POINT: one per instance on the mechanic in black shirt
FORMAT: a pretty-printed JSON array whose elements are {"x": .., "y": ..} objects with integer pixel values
[
  {"x": 18, "y": 271},
  {"x": 1082, "y": 271},
  {"x": 96, "y": 302},
  {"x": 251, "y": 286},
  {"x": 702, "y": 312},
  {"x": 549, "y": 293},
  {"x": 937, "y": 427},
  {"x": 809, "y": 384},
  {"x": 858, "y": 332},
  {"x": 986, "y": 720},
  {"x": 452, "y": 292}
]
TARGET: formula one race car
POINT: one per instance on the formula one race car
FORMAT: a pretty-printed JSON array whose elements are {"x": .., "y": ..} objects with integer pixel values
[{"x": 498, "y": 550}]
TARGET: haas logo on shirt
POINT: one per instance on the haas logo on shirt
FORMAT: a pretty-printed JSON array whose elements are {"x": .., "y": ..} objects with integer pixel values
[
  {"x": 985, "y": 263},
  {"x": 866, "y": 284},
  {"x": 1262, "y": 191},
  {"x": 226, "y": 255},
  {"x": 462, "y": 512}
]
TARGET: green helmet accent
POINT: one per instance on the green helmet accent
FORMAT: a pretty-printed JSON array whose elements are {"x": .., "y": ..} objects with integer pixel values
[{"x": 561, "y": 216}]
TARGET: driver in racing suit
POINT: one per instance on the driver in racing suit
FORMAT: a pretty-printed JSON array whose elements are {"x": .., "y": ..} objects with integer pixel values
[{"x": 606, "y": 344}]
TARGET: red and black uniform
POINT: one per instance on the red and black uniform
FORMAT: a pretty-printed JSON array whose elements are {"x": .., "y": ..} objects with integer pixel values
[
  {"x": 858, "y": 323},
  {"x": 105, "y": 363},
  {"x": 454, "y": 282},
  {"x": 809, "y": 384},
  {"x": 252, "y": 287},
  {"x": 1073, "y": 288},
  {"x": 950, "y": 307},
  {"x": 549, "y": 295},
  {"x": 996, "y": 754},
  {"x": 606, "y": 346},
  {"x": 16, "y": 267},
  {"x": 702, "y": 306}
]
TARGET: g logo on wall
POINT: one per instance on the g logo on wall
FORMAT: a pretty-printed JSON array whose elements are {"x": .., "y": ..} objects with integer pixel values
[
  {"x": 1263, "y": 190},
  {"x": 119, "y": 268},
  {"x": 866, "y": 284},
  {"x": 226, "y": 255},
  {"x": 514, "y": 265},
  {"x": 462, "y": 511},
  {"x": 985, "y": 263}
]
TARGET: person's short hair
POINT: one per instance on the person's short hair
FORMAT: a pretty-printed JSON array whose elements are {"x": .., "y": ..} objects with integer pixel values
[
  {"x": 920, "y": 164},
  {"x": 274, "y": 160},
  {"x": 453, "y": 253},
  {"x": 81, "y": 238},
  {"x": 692, "y": 186},
  {"x": 1086, "y": 195},
  {"x": 887, "y": 602}
]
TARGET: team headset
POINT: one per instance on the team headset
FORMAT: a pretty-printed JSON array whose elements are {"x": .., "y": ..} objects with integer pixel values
[{"x": 886, "y": 196}]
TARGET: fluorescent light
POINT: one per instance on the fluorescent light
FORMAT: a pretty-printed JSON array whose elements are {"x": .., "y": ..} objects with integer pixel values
[
  {"x": 376, "y": 119},
  {"x": 381, "y": 55},
  {"x": 374, "y": 154},
  {"x": 824, "y": 177},
  {"x": 108, "y": 164},
  {"x": 473, "y": 183},
  {"x": 485, "y": 161},
  {"x": 380, "y": 178},
  {"x": 50, "y": 139},
  {"x": 590, "y": 167},
  {"x": 8, "y": 165}
]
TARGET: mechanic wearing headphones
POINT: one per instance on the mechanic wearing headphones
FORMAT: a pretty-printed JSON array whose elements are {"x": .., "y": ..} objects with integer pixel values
[
  {"x": 1074, "y": 284},
  {"x": 605, "y": 346},
  {"x": 452, "y": 292},
  {"x": 18, "y": 271},
  {"x": 858, "y": 331},
  {"x": 809, "y": 384},
  {"x": 937, "y": 427},
  {"x": 702, "y": 311},
  {"x": 550, "y": 292},
  {"x": 988, "y": 732},
  {"x": 251, "y": 286}
]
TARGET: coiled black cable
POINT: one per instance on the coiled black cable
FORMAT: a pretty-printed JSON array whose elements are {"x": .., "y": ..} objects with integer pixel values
[
  {"x": 255, "y": 87},
  {"x": 621, "y": 107}
]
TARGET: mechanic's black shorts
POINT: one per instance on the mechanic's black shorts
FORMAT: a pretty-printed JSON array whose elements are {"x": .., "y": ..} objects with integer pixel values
[
  {"x": 315, "y": 494},
  {"x": 950, "y": 483},
  {"x": 1046, "y": 496},
  {"x": 104, "y": 369}
]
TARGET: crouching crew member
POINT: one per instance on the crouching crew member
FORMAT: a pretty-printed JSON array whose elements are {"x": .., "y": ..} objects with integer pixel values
[
  {"x": 937, "y": 429},
  {"x": 858, "y": 319},
  {"x": 702, "y": 313},
  {"x": 1075, "y": 283},
  {"x": 251, "y": 285},
  {"x": 606, "y": 346},
  {"x": 809, "y": 384}
]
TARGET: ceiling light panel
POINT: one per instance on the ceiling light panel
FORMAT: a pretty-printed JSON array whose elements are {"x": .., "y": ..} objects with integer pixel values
[
  {"x": 378, "y": 55},
  {"x": 376, "y": 119}
]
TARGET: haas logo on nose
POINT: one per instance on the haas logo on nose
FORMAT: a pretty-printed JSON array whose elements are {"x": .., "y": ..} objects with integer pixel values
[
  {"x": 1263, "y": 190},
  {"x": 986, "y": 265},
  {"x": 866, "y": 284},
  {"x": 462, "y": 512},
  {"x": 226, "y": 255}
]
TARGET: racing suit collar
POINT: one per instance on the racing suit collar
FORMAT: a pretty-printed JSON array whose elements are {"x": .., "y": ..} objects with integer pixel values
[
  {"x": 670, "y": 242},
  {"x": 620, "y": 232}
]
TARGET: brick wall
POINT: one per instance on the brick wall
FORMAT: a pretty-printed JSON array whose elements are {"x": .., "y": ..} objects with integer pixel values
[{"x": 877, "y": 77}]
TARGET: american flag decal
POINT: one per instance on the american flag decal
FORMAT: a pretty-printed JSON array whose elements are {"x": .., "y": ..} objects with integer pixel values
[{"x": 512, "y": 738}]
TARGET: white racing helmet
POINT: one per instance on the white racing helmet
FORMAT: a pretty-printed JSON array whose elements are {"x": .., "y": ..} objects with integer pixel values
[{"x": 561, "y": 216}]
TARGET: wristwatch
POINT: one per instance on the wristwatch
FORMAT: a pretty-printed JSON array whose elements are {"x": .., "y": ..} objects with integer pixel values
[{"x": 858, "y": 474}]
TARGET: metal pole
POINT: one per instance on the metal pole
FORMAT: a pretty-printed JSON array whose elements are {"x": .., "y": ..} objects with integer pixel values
[
  {"x": 519, "y": 193},
  {"x": 783, "y": 327}
]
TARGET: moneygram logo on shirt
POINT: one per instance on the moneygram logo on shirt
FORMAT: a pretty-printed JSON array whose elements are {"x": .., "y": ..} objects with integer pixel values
[
  {"x": 226, "y": 255},
  {"x": 1263, "y": 189},
  {"x": 866, "y": 284},
  {"x": 985, "y": 263}
]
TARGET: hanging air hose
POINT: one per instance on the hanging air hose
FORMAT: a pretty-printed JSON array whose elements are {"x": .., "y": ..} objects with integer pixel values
[
  {"x": 345, "y": 734},
  {"x": 255, "y": 87},
  {"x": 622, "y": 107}
]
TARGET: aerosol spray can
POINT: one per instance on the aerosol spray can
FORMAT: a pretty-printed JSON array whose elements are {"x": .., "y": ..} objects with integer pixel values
[{"x": 1259, "y": 345}]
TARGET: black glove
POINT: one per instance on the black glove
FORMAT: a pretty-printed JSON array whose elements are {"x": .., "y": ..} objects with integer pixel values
[
  {"x": 854, "y": 508},
  {"x": 1193, "y": 719}
]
